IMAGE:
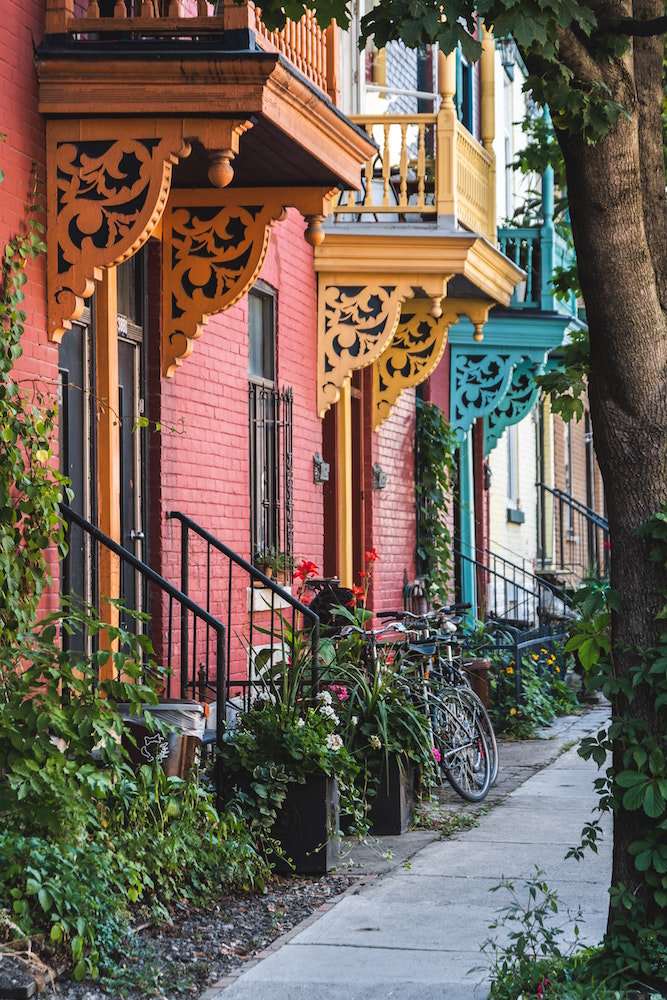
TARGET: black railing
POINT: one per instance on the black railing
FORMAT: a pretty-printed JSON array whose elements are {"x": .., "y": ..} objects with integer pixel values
[
  {"x": 163, "y": 603},
  {"x": 573, "y": 542},
  {"x": 265, "y": 623},
  {"x": 165, "y": 608},
  {"x": 513, "y": 595}
]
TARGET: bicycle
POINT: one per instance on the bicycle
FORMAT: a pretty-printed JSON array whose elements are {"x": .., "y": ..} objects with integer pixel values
[
  {"x": 435, "y": 638},
  {"x": 453, "y": 722}
]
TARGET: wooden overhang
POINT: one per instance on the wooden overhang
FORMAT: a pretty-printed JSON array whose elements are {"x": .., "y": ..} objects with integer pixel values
[
  {"x": 132, "y": 123},
  {"x": 388, "y": 295}
]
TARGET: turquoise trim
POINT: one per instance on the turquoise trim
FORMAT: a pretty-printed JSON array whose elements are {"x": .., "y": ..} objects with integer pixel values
[
  {"x": 467, "y": 533},
  {"x": 494, "y": 379}
]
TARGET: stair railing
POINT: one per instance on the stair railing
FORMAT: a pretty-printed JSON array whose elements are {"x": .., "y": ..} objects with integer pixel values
[
  {"x": 574, "y": 538},
  {"x": 264, "y": 621}
]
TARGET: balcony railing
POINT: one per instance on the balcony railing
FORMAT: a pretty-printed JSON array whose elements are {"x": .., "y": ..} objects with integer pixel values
[
  {"x": 427, "y": 166},
  {"x": 311, "y": 50},
  {"x": 538, "y": 250}
]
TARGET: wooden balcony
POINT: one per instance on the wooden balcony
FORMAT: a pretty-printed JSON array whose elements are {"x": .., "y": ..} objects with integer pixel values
[
  {"x": 427, "y": 166},
  {"x": 310, "y": 49}
]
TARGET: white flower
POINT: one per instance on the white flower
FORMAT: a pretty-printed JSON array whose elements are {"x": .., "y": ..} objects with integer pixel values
[
  {"x": 324, "y": 696},
  {"x": 266, "y": 696},
  {"x": 300, "y": 723},
  {"x": 375, "y": 741},
  {"x": 334, "y": 742},
  {"x": 354, "y": 720},
  {"x": 328, "y": 713}
]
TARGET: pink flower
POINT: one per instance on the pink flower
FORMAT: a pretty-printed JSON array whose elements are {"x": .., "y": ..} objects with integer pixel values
[
  {"x": 436, "y": 754},
  {"x": 340, "y": 691}
]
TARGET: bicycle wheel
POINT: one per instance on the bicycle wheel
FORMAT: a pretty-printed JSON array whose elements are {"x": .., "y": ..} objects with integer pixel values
[
  {"x": 482, "y": 716},
  {"x": 459, "y": 738}
]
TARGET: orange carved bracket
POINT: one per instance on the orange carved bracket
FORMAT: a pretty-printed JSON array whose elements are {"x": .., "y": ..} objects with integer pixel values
[
  {"x": 107, "y": 187},
  {"x": 214, "y": 246}
]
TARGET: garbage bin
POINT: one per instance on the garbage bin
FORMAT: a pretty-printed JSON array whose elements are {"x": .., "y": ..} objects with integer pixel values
[{"x": 177, "y": 751}]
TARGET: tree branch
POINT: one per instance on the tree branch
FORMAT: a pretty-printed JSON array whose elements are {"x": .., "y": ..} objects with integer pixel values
[{"x": 633, "y": 27}]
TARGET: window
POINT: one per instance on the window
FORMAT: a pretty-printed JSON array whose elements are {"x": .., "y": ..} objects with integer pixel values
[{"x": 270, "y": 433}]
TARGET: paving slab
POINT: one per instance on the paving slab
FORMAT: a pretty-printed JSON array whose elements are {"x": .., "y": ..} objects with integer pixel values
[{"x": 415, "y": 930}]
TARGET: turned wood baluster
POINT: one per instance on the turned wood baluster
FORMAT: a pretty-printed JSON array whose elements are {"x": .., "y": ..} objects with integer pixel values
[
  {"x": 386, "y": 165},
  {"x": 404, "y": 165},
  {"x": 421, "y": 165}
]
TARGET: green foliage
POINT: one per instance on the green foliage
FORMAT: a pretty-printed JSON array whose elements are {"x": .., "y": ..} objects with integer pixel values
[
  {"x": 379, "y": 718},
  {"x": 567, "y": 383},
  {"x": 30, "y": 490},
  {"x": 535, "y": 962},
  {"x": 635, "y": 947},
  {"x": 85, "y": 838},
  {"x": 436, "y": 471}
]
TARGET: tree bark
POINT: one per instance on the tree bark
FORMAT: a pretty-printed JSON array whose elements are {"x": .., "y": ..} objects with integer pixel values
[{"x": 616, "y": 192}]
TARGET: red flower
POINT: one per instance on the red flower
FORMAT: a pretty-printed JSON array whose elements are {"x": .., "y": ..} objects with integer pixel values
[
  {"x": 357, "y": 592},
  {"x": 362, "y": 574},
  {"x": 305, "y": 570},
  {"x": 371, "y": 556}
]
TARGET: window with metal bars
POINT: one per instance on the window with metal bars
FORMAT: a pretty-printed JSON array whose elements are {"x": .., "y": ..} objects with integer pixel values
[{"x": 270, "y": 439}]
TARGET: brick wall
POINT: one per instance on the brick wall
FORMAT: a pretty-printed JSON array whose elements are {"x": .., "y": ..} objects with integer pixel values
[
  {"x": 394, "y": 507},
  {"x": 205, "y": 470},
  {"x": 20, "y": 154}
]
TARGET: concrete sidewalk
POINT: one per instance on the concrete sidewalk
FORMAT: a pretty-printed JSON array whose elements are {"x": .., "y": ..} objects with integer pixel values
[{"x": 415, "y": 930}]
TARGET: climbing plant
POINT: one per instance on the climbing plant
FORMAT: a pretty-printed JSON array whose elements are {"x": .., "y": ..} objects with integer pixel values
[
  {"x": 436, "y": 472},
  {"x": 30, "y": 490}
]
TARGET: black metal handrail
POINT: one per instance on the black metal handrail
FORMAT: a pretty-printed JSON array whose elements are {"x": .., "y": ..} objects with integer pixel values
[
  {"x": 530, "y": 589},
  {"x": 579, "y": 535},
  {"x": 209, "y": 644},
  {"x": 281, "y": 631},
  {"x": 189, "y": 686}
]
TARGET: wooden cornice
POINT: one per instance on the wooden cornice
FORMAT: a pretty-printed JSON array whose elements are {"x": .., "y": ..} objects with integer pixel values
[
  {"x": 212, "y": 85},
  {"x": 422, "y": 254}
]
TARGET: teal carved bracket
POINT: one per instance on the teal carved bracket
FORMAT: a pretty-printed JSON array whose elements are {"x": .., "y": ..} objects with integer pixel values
[
  {"x": 495, "y": 379},
  {"x": 518, "y": 401}
]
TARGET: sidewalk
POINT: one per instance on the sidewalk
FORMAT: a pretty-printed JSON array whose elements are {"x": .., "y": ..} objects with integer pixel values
[{"x": 415, "y": 929}]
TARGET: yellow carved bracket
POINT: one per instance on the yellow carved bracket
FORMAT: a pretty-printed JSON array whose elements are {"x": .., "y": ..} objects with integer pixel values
[
  {"x": 107, "y": 186},
  {"x": 417, "y": 347},
  {"x": 214, "y": 245},
  {"x": 355, "y": 323}
]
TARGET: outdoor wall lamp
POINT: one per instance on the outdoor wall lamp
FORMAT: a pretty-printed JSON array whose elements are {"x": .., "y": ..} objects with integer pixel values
[
  {"x": 379, "y": 477},
  {"x": 507, "y": 49},
  {"x": 320, "y": 469}
]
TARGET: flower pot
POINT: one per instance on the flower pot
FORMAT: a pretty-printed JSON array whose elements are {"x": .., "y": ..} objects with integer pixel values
[
  {"x": 307, "y": 825},
  {"x": 393, "y": 805},
  {"x": 479, "y": 676}
]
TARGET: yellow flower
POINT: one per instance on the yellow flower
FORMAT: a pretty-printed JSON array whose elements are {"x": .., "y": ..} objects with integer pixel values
[
  {"x": 512, "y": 662},
  {"x": 512, "y": 711},
  {"x": 510, "y": 670},
  {"x": 557, "y": 670},
  {"x": 535, "y": 656},
  {"x": 545, "y": 651}
]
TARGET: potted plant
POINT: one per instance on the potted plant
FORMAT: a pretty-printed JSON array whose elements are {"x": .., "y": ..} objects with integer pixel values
[
  {"x": 274, "y": 563},
  {"x": 287, "y": 766}
]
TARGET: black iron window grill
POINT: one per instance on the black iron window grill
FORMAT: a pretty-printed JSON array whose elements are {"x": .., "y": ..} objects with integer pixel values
[{"x": 271, "y": 476}]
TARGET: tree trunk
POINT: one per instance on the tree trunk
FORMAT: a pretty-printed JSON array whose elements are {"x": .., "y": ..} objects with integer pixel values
[{"x": 617, "y": 209}]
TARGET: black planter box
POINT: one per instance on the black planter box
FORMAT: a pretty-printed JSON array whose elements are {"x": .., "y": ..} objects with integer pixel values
[
  {"x": 392, "y": 808},
  {"x": 307, "y": 825}
]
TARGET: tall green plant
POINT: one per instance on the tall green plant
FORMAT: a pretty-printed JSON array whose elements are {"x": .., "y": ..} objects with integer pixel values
[
  {"x": 30, "y": 490},
  {"x": 435, "y": 486}
]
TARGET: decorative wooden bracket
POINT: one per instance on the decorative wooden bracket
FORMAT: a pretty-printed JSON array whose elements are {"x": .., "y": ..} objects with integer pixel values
[
  {"x": 214, "y": 246},
  {"x": 417, "y": 347},
  {"x": 517, "y": 402},
  {"x": 107, "y": 186},
  {"x": 355, "y": 324}
]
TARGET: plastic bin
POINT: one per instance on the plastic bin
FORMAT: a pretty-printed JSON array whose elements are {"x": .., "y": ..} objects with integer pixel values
[{"x": 176, "y": 751}]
